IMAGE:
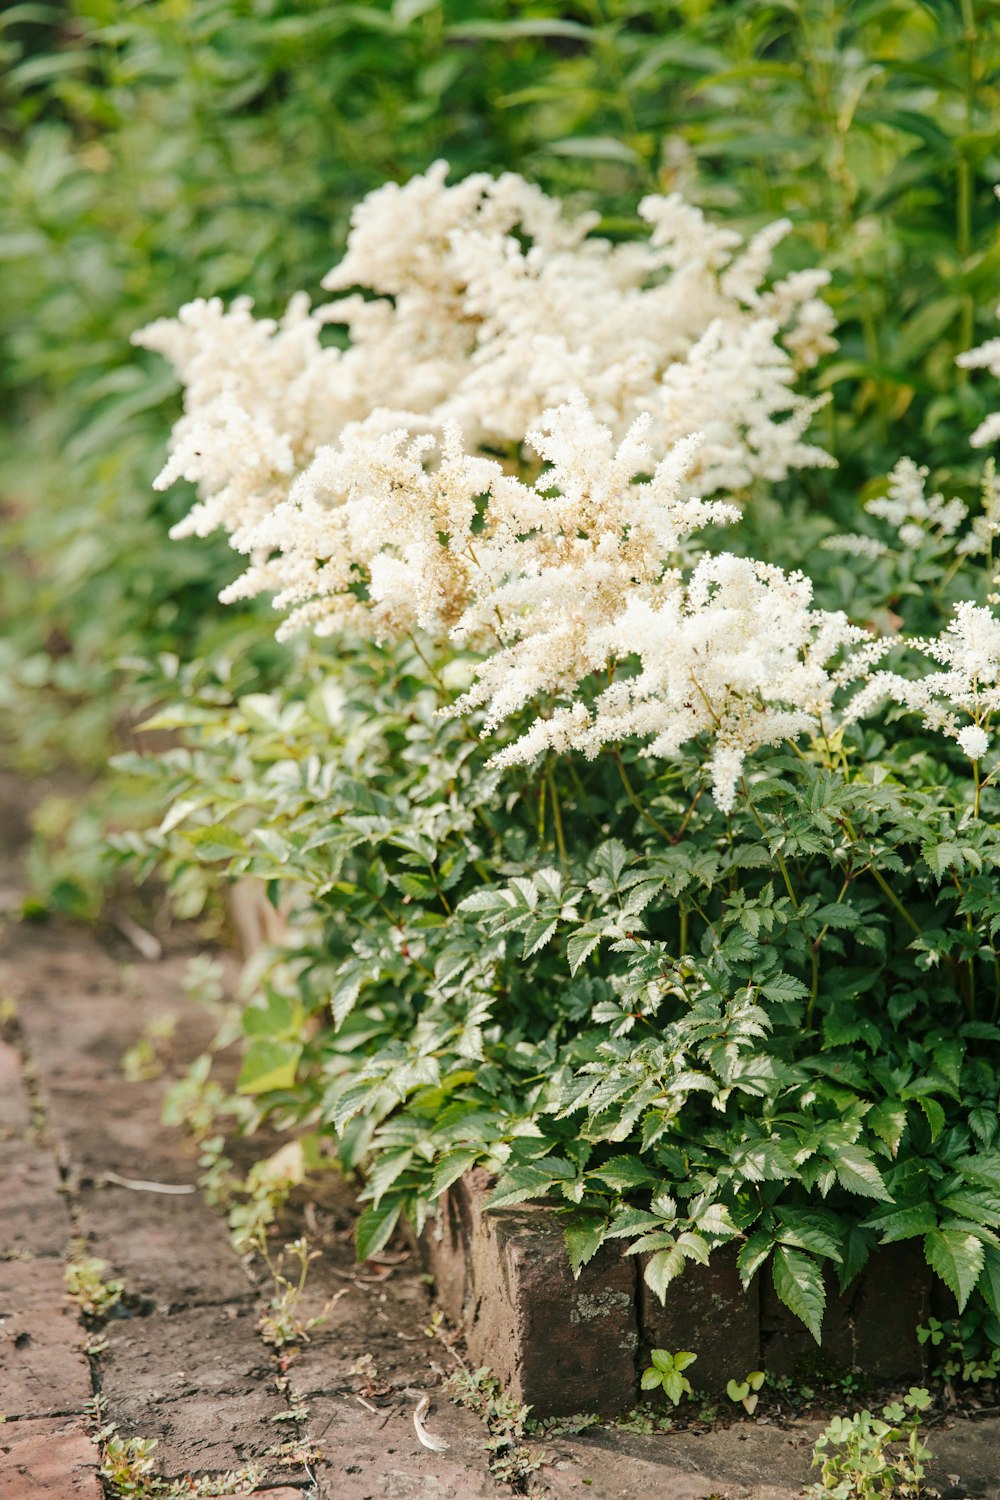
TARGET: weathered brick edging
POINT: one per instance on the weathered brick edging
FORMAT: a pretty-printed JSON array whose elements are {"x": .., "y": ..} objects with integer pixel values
[{"x": 565, "y": 1346}]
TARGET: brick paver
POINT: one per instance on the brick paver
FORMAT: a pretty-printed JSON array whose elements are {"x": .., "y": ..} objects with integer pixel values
[
  {"x": 48, "y": 1459},
  {"x": 43, "y": 1369}
]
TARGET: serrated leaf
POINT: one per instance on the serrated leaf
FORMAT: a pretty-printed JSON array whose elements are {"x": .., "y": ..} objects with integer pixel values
[
  {"x": 798, "y": 1282},
  {"x": 584, "y": 1237},
  {"x": 663, "y": 1268},
  {"x": 753, "y": 1254},
  {"x": 815, "y": 1231},
  {"x": 934, "y": 1114},
  {"x": 983, "y": 1168},
  {"x": 904, "y": 1223},
  {"x": 958, "y": 1258},
  {"x": 373, "y": 1230},
  {"x": 857, "y": 1173},
  {"x": 625, "y": 1172},
  {"x": 989, "y": 1279},
  {"x": 452, "y": 1166},
  {"x": 537, "y": 934},
  {"x": 580, "y": 947},
  {"x": 888, "y": 1121}
]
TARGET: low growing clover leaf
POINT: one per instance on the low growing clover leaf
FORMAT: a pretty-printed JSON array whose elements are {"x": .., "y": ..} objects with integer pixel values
[
  {"x": 746, "y": 1390},
  {"x": 666, "y": 1371}
]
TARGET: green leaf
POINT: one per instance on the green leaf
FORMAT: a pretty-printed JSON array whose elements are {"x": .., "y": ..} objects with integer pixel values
[
  {"x": 452, "y": 1166},
  {"x": 958, "y": 1258},
  {"x": 663, "y": 1268},
  {"x": 528, "y": 1181},
  {"x": 798, "y": 1281},
  {"x": 625, "y": 1172},
  {"x": 580, "y": 946},
  {"x": 268, "y": 1063},
  {"x": 934, "y": 1114},
  {"x": 754, "y": 1253},
  {"x": 904, "y": 1223},
  {"x": 989, "y": 1279},
  {"x": 816, "y": 1231},
  {"x": 857, "y": 1173},
  {"x": 584, "y": 1237},
  {"x": 888, "y": 1121},
  {"x": 983, "y": 1168},
  {"x": 217, "y": 842},
  {"x": 374, "y": 1227}
]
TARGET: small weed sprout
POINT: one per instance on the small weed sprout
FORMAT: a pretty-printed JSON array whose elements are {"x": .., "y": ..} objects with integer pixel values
[
  {"x": 965, "y": 1357},
  {"x": 127, "y": 1470},
  {"x": 506, "y": 1420},
  {"x": 127, "y": 1466},
  {"x": 87, "y": 1285},
  {"x": 746, "y": 1391},
  {"x": 146, "y": 1058},
  {"x": 644, "y": 1419},
  {"x": 283, "y": 1323},
  {"x": 865, "y": 1457},
  {"x": 666, "y": 1372}
]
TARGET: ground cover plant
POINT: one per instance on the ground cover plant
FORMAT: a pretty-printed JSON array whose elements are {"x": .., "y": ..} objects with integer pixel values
[{"x": 612, "y": 858}]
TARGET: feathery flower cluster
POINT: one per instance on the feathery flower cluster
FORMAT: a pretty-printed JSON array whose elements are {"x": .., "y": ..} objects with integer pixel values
[
  {"x": 509, "y": 454},
  {"x": 484, "y": 304},
  {"x": 570, "y": 589},
  {"x": 968, "y": 684},
  {"x": 914, "y": 515},
  {"x": 985, "y": 357}
]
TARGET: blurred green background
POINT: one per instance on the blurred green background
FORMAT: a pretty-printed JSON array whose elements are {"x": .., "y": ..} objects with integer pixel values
[{"x": 155, "y": 151}]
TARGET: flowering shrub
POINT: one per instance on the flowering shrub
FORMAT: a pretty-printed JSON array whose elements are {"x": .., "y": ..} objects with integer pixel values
[{"x": 614, "y": 860}]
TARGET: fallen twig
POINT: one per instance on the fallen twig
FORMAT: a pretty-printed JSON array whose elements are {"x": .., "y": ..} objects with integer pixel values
[
  {"x": 142, "y": 941},
  {"x": 435, "y": 1444},
  {"x": 138, "y": 1185}
]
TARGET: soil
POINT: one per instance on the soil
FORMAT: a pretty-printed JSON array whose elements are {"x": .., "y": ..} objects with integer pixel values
[{"x": 181, "y": 1361}]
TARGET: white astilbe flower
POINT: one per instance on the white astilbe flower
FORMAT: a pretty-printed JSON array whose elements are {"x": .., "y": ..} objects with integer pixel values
[
  {"x": 559, "y": 559},
  {"x": 986, "y": 357},
  {"x": 485, "y": 304},
  {"x": 974, "y": 741},
  {"x": 259, "y": 396},
  {"x": 737, "y": 654},
  {"x": 911, "y": 511},
  {"x": 371, "y": 537},
  {"x": 965, "y": 687}
]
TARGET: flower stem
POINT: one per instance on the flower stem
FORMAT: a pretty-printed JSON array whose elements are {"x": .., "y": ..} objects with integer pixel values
[
  {"x": 630, "y": 794},
  {"x": 557, "y": 822}
]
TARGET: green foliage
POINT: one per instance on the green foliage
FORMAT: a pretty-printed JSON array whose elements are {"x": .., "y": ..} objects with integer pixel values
[
  {"x": 666, "y": 1373},
  {"x": 91, "y": 1288},
  {"x": 674, "y": 1042},
  {"x": 967, "y": 1347},
  {"x": 506, "y": 1422},
  {"x": 746, "y": 1391},
  {"x": 863, "y": 1457}
]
